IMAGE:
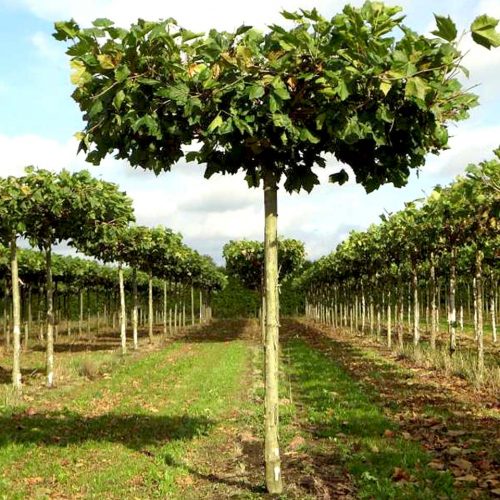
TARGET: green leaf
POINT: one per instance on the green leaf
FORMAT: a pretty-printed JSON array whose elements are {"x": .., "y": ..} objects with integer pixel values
[
  {"x": 178, "y": 93},
  {"x": 118, "y": 99},
  {"x": 446, "y": 28},
  {"x": 416, "y": 87},
  {"x": 484, "y": 33},
  {"x": 65, "y": 30},
  {"x": 385, "y": 86},
  {"x": 305, "y": 135},
  {"x": 106, "y": 61},
  {"x": 292, "y": 16},
  {"x": 216, "y": 123},
  {"x": 191, "y": 156},
  {"x": 339, "y": 178},
  {"x": 121, "y": 73},
  {"x": 79, "y": 75},
  {"x": 282, "y": 93},
  {"x": 255, "y": 91},
  {"x": 102, "y": 22},
  {"x": 273, "y": 104}
]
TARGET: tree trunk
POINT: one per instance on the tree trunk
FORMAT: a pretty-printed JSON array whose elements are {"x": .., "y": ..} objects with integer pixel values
[
  {"x": 416, "y": 312},
  {"x": 150, "y": 307},
  {"x": 493, "y": 309},
  {"x": 452, "y": 310},
  {"x": 272, "y": 452},
  {"x": 478, "y": 303},
  {"x": 165, "y": 308},
  {"x": 201, "y": 306},
  {"x": 135, "y": 312},
  {"x": 123, "y": 312},
  {"x": 192, "y": 305},
  {"x": 433, "y": 303},
  {"x": 80, "y": 318},
  {"x": 16, "y": 316},
  {"x": 50, "y": 317},
  {"x": 389, "y": 314}
]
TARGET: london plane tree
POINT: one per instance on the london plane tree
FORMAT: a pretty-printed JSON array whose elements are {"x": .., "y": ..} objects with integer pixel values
[{"x": 361, "y": 86}]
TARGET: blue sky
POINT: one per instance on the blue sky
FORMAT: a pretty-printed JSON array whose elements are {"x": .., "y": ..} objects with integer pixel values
[{"x": 38, "y": 119}]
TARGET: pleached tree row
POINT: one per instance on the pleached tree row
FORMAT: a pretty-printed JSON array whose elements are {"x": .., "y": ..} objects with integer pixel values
[
  {"x": 94, "y": 217},
  {"x": 439, "y": 257}
]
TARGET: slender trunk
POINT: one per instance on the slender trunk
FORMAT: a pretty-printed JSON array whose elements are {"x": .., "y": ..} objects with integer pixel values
[
  {"x": 493, "y": 309},
  {"x": 479, "y": 312},
  {"x": 433, "y": 303},
  {"x": 389, "y": 326},
  {"x": 192, "y": 305},
  {"x": 150, "y": 307},
  {"x": 123, "y": 312},
  {"x": 135, "y": 312},
  {"x": 416, "y": 312},
  {"x": 363, "y": 310},
  {"x": 50, "y": 317},
  {"x": 452, "y": 310},
  {"x": 16, "y": 316},
  {"x": 401, "y": 312},
  {"x": 165, "y": 308},
  {"x": 263, "y": 316},
  {"x": 30, "y": 313},
  {"x": 272, "y": 452},
  {"x": 201, "y": 306},
  {"x": 80, "y": 318}
]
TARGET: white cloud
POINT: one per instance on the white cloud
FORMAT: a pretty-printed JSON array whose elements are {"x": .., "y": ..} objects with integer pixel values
[
  {"x": 48, "y": 48},
  {"x": 468, "y": 145},
  {"x": 222, "y": 14}
]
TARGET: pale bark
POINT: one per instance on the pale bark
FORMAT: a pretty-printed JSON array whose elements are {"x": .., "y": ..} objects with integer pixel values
[
  {"x": 165, "y": 307},
  {"x": 80, "y": 317},
  {"x": 272, "y": 452},
  {"x": 135, "y": 315},
  {"x": 201, "y": 306},
  {"x": 452, "y": 310},
  {"x": 416, "y": 312},
  {"x": 50, "y": 318},
  {"x": 192, "y": 305},
  {"x": 493, "y": 310},
  {"x": 433, "y": 303},
  {"x": 123, "y": 312},
  {"x": 479, "y": 313},
  {"x": 150, "y": 307},
  {"x": 389, "y": 326},
  {"x": 16, "y": 316}
]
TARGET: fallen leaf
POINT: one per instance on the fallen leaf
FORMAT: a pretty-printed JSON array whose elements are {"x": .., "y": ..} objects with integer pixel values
[
  {"x": 388, "y": 433},
  {"x": 462, "y": 464},
  {"x": 453, "y": 451},
  {"x": 296, "y": 443},
  {"x": 468, "y": 478},
  {"x": 456, "y": 433},
  {"x": 400, "y": 474}
]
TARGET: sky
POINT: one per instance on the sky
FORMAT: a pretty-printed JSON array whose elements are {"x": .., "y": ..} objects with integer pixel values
[{"x": 38, "y": 120}]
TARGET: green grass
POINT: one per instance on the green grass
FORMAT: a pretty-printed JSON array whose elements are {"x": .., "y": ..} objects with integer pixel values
[
  {"x": 123, "y": 436},
  {"x": 350, "y": 426}
]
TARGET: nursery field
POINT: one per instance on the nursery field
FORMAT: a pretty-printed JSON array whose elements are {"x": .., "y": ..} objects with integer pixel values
[{"x": 182, "y": 418}]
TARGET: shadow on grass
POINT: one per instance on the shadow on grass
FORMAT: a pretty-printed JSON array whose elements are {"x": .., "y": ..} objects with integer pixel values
[
  {"x": 224, "y": 330},
  {"x": 65, "y": 428},
  {"x": 80, "y": 347},
  {"x": 6, "y": 374},
  {"x": 214, "y": 478}
]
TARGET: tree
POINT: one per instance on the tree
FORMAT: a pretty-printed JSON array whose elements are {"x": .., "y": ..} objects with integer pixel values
[
  {"x": 273, "y": 105},
  {"x": 68, "y": 207},
  {"x": 14, "y": 206}
]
